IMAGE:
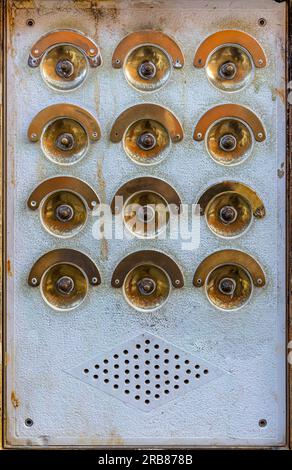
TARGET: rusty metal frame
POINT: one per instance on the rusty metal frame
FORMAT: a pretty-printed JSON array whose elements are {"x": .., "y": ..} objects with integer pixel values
[
  {"x": 230, "y": 36},
  {"x": 63, "y": 110},
  {"x": 225, "y": 111},
  {"x": 155, "y": 38},
  {"x": 63, "y": 183},
  {"x": 235, "y": 257},
  {"x": 154, "y": 257},
  {"x": 3, "y": 110},
  {"x": 64, "y": 255},
  {"x": 147, "y": 111},
  {"x": 68, "y": 36},
  {"x": 255, "y": 201}
]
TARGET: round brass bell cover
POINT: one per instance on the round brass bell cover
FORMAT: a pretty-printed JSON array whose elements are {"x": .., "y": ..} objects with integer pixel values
[
  {"x": 229, "y": 141},
  {"x": 64, "y": 286},
  {"x": 147, "y": 67},
  {"x": 146, "y": 214},
  {"x": 229, "y": 287},
  {"x": 64, "y": 67},
  {"x": 63, "y": 213},
  {"x": 64, "y": 141},
  {"x": 230, "y": 68},
  {"x": 228, "y": 214},
  {"x": 146, "y": 142},
  {"x": 147, "y": 287}
]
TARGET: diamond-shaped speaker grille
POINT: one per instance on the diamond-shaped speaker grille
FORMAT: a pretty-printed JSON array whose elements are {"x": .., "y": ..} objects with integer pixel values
[{"x": 146, "y": 372}]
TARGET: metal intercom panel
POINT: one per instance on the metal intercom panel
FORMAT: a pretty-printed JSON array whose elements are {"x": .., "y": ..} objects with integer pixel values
[{"x": 116, "y": 335}]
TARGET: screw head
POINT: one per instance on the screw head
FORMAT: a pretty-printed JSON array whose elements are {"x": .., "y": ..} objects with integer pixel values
[
  {"x": 34, "y": 281},
  {"x": 199, "y": 135},
  {"x": 94, "y": 280},
  {"x": 33, "y": 203},
  {"x": 117, "y": 281}
]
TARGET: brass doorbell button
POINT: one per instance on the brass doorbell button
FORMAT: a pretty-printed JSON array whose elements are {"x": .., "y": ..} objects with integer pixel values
[
  {"x": 64, "y": 57},
  {"x": 147, "y": 278},
  {"x": 229, "y": 58},
  {"x": 64, "y": 204},
  {"x": 147, "y": 131},
  {"x": 146, "y": 204},
  {"x": 64, "y": 131},
  {"x": 64, "y": 276},
  {"x": 229, "y": 277},
  {"x": 229, "y": 131},
  {"x": 230, "y": 207},
  {"x": 147, "y": 58}
]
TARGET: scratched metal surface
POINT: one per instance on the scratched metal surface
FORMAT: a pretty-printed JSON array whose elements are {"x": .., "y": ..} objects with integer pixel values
[{"x": 248, "y": 344}]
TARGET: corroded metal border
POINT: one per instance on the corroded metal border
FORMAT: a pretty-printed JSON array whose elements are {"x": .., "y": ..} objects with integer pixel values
[
  {"x": 147, "y": 111},
  {"x": 155, "y": 38},
  {"x": 66, "y": 36},
  {"x": 63, "y": 183},
  {"x": 223, "y": 111},
  {"x": 63, "y": 110},
  {"x": 289, "y": 217},
  {"x": 255, "y": 201},
  {"x": 154, "y": 257},
  {"x": 230, "y": 36},
  {"x": 145, "y": 183},
  {"x": 64, "y": 255},
  {"x": 236, "y": 257}
]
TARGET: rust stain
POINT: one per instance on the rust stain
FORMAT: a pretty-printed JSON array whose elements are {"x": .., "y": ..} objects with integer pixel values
[
  {"x": 279, "y": 92},
  {"x": 14, "y": 400},
  {"x": 9, "y": 270},
  {"x": 24, "y": 4},
  {"x": 101, "y": 12},
  {"x": 115, "y": 439},
  {"x": 102, "y": 186},
  {"x": 6, "y": 359}
]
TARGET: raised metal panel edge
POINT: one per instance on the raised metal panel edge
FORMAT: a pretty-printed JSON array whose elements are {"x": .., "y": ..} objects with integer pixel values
[{"x": 3, "y": 6}]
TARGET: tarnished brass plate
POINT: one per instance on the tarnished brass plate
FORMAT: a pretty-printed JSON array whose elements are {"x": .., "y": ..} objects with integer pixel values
[
  {"x": 147, "y": 257},
  {"x": 64, "y": 255}
]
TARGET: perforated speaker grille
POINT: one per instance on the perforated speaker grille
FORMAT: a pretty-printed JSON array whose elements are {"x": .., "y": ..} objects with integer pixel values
[{"x": 146, "y": 372}]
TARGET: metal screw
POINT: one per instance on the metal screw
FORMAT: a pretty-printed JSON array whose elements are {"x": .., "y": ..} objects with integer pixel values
[
  {"x": 262, "y": 423},
  {"x": 36, "y": 51},
  {"x": 33, "y": 136},
  {"x": 33, "y": 203},
  {"x": 92, "y": 51},
  {"x": 34, "y": 281},
  {"x": 30, "y": 22},
  {"x": 94, "y": 134},
  {"x": 260, "y": 61},
  {"x": 94, "y": 280},
  {"x": 93, "y": 203},
  {"x": 262, "y": 22},
  {"x": 199, "y": 135},
  {"x": 199, "y": 281},
  {"x": 260, "y": 135},
  {"x": 117, "y": 281},
  {"x": 259, "y": 282},
  {"x": 177, "y": 281},
  {"x": 118, "y": 61}
]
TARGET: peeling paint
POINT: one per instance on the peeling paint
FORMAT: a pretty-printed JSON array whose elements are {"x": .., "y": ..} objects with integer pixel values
[
  {"x": 281, "y": 171},
  {"x": 280, "y": 92}
]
